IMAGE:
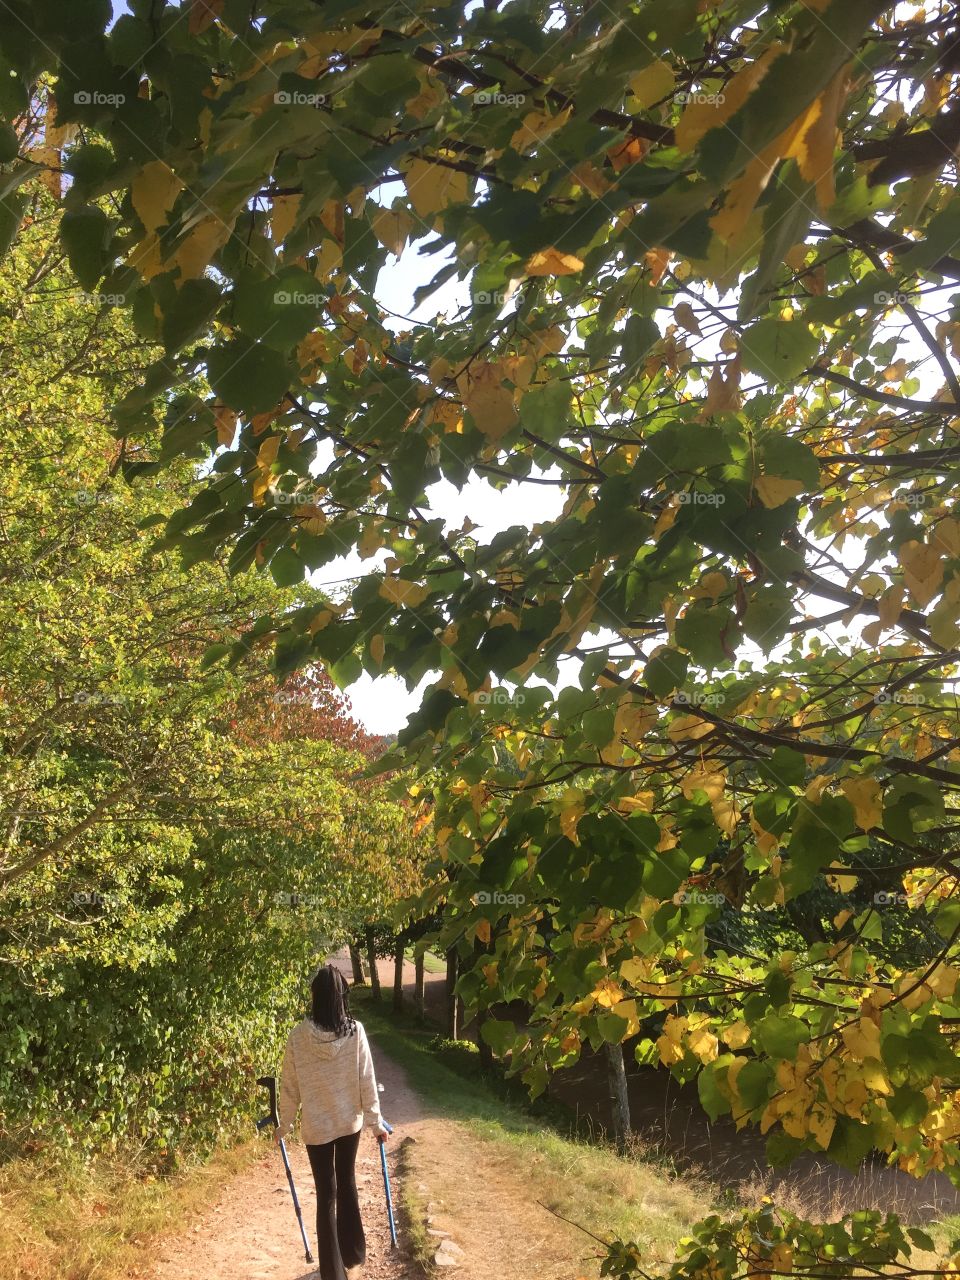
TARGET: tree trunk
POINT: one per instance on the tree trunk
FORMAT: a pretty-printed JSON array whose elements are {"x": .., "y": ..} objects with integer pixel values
[
  {"x": 356, "y": 963},
  {"x": 398, "y": 976},
  {"x": 453, "y": 1004},
  {"x": 418, "y": 987},
  {"x": 480, "y": 949},
  {"x": 486, "y": 1053},
  {"x": 372, "y": 962},
  {"x": 619, "y": 1097}
]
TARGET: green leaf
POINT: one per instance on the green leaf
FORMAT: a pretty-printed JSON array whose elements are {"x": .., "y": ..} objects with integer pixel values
[
  {"x": 286, "y": 568},
  {"x": 192, "y": 307},
  {"x": 850, "y": 1143},
  {"x": 248, "y": 376},
  {"x": 84, "y": 234},
  {"x": 778, "y": 350},
  {"x": 281, "y": 309},
  {"x": 780, "y": 1034}
]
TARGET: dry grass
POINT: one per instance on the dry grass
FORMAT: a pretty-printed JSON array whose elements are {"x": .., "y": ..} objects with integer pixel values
[{"x": 68, "y": 1221}]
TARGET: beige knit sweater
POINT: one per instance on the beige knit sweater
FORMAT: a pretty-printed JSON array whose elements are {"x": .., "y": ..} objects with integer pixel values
[{"x": 332, "y": 1079}]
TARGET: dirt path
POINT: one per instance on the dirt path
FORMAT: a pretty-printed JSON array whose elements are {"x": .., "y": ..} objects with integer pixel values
[
  {"x": 470, "y": 1205},
  {"x": 251, "y": 1232}
]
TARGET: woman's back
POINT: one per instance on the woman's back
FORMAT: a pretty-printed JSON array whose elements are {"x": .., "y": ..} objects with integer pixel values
[{"x": 331, "y": 1077}]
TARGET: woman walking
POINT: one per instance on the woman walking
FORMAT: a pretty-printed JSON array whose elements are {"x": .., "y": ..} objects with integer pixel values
[{"x": 328, "y": 1071}]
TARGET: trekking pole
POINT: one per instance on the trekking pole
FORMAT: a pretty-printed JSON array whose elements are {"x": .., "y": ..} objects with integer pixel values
[
  {"x": 270, "y": 1083},
  {"x": 386, "y": 1182}
]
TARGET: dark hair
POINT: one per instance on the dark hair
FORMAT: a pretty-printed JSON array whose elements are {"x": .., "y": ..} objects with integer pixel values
[{"x": 330, "y": 1005}]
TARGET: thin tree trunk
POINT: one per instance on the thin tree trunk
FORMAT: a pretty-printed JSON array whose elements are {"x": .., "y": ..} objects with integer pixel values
[
  {"x": 372, "y": 962},
  {"x": 418, "y": 986},
  {"x": 619, "y": 1097},
  {"x": 356, "y": 963},
  {"x": 486, "y": 1053},
  {"x": 398, "y": 976},
  {"x": 481, "y": 949},
  {"x": 453, "y": 1004}
]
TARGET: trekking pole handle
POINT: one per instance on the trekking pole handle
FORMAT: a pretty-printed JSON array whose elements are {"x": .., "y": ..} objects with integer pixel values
[
  {"x": 269, "y": 1083},
  {"x": 388, "y": 1127}
]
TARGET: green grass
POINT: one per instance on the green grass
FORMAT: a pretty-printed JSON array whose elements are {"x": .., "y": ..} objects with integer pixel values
[
  {"x": 431, "y": 963},
  {"x": 66, "y": 1220},
  {"x": 630, "y": 1198}
]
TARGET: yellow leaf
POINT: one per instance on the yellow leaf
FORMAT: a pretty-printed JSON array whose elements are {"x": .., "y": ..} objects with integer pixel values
[
  {"x": 822, "y": 1124},
  {"x": 551, "y": 262},
  {"x": 652, "y": 83},
  {"x": 145, "y": 256},
  {"x": 536, "y": 126},
  {"x": 226, "y": 420},
  {"x": 329, "y": 259},
  {"x": 571, "y": 812},
  {"x": 482, "y": 931},
  {"x": 313, "y": 520},
  {"x": 922, "y": 571},
  {"x": 723, "y": 392},
  {"x": 283, "y": 215},
  {"x": 686, "y": 728},
  {"x": 774, "y": 491},
  {"x": 490, "y": 403},
  {"x": 943, "y": 980},
  {"x": 704, "y": 1044},
  {"x": 377, "y": 646},
  {"x": 403, "y": 592},
  {"x": 392, "y": 228},
  {"x": 737, "y": 1035},
  {"x": 627, "y": 1009},
  {"x": 634, "y": 720},
  {"x": 841, "y": 883},
  {"x": 195, "y": 252},
  {"x": 865, "y": 796},
  {"x": 686, "y": 318},
  {"x": 705, "y": 111},
  {"x": 607, "y": 993},
  {"x": 816, "y": 140},
  {"x": 433, "y": 187},
  {"x": 152, "y": 193},
  {"x": 862, "y": 1039}
]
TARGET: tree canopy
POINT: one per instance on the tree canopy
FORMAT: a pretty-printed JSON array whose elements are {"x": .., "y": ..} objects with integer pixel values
[{"x": 713, "y": 331}]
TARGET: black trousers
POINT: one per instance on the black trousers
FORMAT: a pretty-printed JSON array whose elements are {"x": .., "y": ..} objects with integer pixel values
[{"x": 340, "y": 1239}]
